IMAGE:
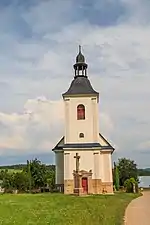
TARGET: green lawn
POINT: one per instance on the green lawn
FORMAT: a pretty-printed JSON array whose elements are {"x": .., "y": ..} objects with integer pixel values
[{"x": 58, "y": 209}]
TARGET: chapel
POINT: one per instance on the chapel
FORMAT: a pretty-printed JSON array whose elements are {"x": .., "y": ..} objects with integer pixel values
[{"x": 83, "y": 156}]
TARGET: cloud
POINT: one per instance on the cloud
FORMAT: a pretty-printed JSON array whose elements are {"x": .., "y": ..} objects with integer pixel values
[
  {"x": 144, "y": 146},
  {"x": 36, "y": 58},
  {"x": 137, "y": 12},
  {"x": 36, "y": 128}
]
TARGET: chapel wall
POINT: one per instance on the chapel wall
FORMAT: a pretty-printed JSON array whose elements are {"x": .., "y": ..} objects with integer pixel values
[
  {"x": 107, "y": 167},
  {"x": 59, "y": 158},
  {"x": 86, "y": 162},
  {"x": 89, "y": 160}
]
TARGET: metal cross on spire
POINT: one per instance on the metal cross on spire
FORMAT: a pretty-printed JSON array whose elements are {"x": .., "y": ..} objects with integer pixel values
[{"x": 79, "y": 48}]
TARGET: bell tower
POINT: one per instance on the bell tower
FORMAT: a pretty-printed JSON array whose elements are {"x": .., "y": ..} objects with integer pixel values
[
  {"x": 83, "y": 155},
  {"x": 80, "y": 66},
  {"x": 81, "y": 107}
]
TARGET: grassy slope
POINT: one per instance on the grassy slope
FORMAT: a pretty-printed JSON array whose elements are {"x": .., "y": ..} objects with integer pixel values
[{"x": 62, "y": 210}]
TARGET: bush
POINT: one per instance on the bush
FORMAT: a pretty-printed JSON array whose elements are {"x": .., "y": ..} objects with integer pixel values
[{"x": 129, "y": 185}]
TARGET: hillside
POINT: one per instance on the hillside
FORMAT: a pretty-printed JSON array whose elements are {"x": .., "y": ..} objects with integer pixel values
[{"x": 21, "y": 167}]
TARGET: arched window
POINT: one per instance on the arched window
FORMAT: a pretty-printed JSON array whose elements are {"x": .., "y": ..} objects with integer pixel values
[
  {"x": 81, "y": 112},
  {"x": 81, "y": 135}
]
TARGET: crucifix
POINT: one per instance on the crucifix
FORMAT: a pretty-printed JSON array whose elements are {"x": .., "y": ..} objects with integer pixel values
[{"x": 77, "y": 157}]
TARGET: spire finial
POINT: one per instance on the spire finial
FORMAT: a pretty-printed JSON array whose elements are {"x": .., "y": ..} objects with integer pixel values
[{"x": 79, "y": 48}]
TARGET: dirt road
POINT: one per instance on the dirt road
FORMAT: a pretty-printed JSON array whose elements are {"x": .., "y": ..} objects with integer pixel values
[{"x": 138, "y": 211}]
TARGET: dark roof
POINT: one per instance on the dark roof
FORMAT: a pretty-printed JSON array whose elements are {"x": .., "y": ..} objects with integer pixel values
[
  {"x": 80, "y": 86},
  {"x": 105, "y": 140},
  {"x": 61, "y": 145}
]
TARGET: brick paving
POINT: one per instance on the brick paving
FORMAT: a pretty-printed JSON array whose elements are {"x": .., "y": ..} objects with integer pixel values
[{"x": 138, "y": 211}]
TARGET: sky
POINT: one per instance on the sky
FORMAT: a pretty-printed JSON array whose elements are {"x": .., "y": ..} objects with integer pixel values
[{"x": 38, "y": 45}]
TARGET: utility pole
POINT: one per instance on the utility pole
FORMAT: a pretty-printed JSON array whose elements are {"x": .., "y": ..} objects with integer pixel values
[{"x": 29, "y": 174}]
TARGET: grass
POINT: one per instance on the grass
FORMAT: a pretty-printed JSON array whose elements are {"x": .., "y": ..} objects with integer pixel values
[{"x": 58, "y": 209}]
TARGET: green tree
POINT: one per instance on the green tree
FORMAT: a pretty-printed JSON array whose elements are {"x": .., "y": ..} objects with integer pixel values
[
  {"x": 37, "y": 173},
  {"x": 21, "y": 181},
  {"x": 8, "y": 181},
  {"x": 127, "y": 169},
  {"x": 34, "y": 175},
  {"x": 116, "y": 177},
  {"x": 129, "y": 185},
  {"x": 28, "y": 171},
  {"x": 50, "y": 179}
]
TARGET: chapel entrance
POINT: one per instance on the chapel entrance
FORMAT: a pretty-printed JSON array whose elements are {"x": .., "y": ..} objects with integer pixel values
[
  {"x": 85, "y": 184},
  {"x": 82, "y": 179}
]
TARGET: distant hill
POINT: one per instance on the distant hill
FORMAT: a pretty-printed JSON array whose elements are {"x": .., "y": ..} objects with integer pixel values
[
  {"x": 14, "y": 167},
  {"x": 144, "y": 172},
  {"x": 21, "y": 167},
  {"x": 147, "y": 169}
]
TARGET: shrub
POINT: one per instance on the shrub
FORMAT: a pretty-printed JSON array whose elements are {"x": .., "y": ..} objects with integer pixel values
[{"x": 129, "y": 184}]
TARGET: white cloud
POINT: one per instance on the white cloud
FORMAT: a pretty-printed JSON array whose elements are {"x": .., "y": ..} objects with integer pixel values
[
  {"x": 144, "y": 146},
  {"x": 33, "y": 129}
]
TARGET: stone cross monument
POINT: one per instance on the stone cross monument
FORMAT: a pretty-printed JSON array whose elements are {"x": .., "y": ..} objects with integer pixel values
[
  {"x": 77, "y": 157},
  {"x": 77, "y": 180}
]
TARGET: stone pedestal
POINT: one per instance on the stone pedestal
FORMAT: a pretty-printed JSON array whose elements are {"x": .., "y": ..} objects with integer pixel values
[
  {"x": 78, "y": 191},
  {"x": 68, "y": 186},
  {"x": 77, "y": 183}
]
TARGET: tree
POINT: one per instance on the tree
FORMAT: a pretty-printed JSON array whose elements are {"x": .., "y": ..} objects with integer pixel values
[
  {"x": 37, "y": 174},
  {"x": 131, "y": 185},
  {"x": 116, "y": 177},
  {"x": 8, "y": 181},
  {"x": 127, "y": 169},
  {"x": 21, "y": 181},
  {"x": 50, "y": 179},
  {"x": 33, "y": 177},
  {"x": 28, "y": 171}
]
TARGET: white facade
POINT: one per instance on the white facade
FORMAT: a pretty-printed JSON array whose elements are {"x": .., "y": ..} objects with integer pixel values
[{"x": 89, "y": 127}]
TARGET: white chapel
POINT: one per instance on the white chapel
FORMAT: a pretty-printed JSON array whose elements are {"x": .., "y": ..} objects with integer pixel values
[{"x": 83, "y": 156}]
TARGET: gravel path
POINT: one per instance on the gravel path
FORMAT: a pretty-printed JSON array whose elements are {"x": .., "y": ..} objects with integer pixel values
[{"x": 138, "y": 211}]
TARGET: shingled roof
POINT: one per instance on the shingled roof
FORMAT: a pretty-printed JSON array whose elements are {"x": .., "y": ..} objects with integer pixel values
[
  {"x": 80, "y": 86},
  {"x": 103, "y": 144}
]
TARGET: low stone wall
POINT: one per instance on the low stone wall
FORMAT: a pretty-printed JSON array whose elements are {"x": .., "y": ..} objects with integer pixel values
[
  {"x": 68, "y": 186},
  {"x": 107, "y": 187},
  {"x": 95, "y": 186}
]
